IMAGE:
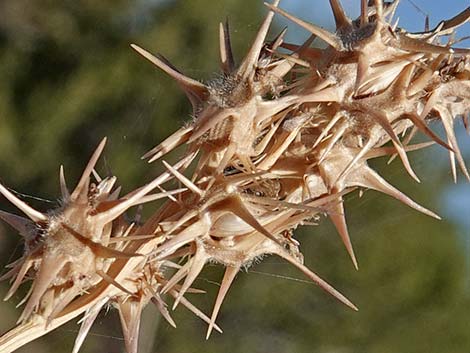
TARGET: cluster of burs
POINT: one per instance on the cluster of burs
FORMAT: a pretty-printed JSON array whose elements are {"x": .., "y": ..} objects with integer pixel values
[{"x": 275, "y": 142}]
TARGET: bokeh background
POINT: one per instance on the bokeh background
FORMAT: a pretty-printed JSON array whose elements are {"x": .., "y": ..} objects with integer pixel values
[{"x": 68, "y": 78}]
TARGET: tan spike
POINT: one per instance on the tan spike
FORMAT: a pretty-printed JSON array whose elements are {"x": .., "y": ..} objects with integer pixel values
[
  {"x": 187, "y": 217},
  {"x": 161, "y": 306},
  {"x": 370, "y": 179},
  {"x": 111, "y": 281},
  {"x": 379, "y": 10},
  {"x": 406, "y": 140},
  {"x": 404, "y": 158},
  {"x": 193, "y": 89},
  {"x": 328, "y": 37},
  {"x": 209, "y": 120},
  {"x": 115, "y": 194},
  {"x": 382, "y": 119},
  {"x": 248, "y": 66},
  {"x": 361, "y": 72},
  {"x": 66, "y": 299},
  {"x": 175, "y": 140},
  {"x": 81, "y": 190},
  {"x": 129, "y": 238},
  {"x": 423, "y": 78},
  {"x": 50, "y": 266},
  {"x": 261, "y": 146},
  {"x": 34, "y": 215},
  {"x": 160, "y": 195},
  {"x": 130, "y": 310},
  {"x": 97, "y": 176},
  {"x": 23, "y": 225},
  {"x": 329, "y": 94},
  {"x": 185, "y": 181},
  {"x": 13, "y": 264},
  {"x": 390, "y": 9},
  {"x": 25, "y": 298},
  {"x": 448, "y": 123},
  {"x": 106, "y": 185},
  {"x": 466, "y": 123},
  {"x": 448, "y": 26},
  {"x": 63, "y": 185},
  {"x": 13, "y": 271},
  {"x": 99, "y": 249},
  {"x": 341, "y": 19},
  {"x": 87, "y": 321},
  {"x": 284, "y": 204},
  {"x": 307, "y": 52},
  {"x": 339, "y": 132},
  {"x": 430, "y": 105},
  {"x": 129, "y": 201},
  {"x": 415, "y": 45},
  {"x": 201, "y": 164},
  {"x": 194, "y": 309},
  {"x": 235, "y": 205},
  {"x": 229, "y": 276},
  {"x": 178, "y": 276},
  {"x": 315, "y": 278},
  {"x": 277, "y": 42},
  {"x": 402, "y": 82},
  {"x": 190, "y": 233},
  {"x": 308, "y": 55},
  {"x": 338, "y": 217},
  {"x": 364, "y": 13},
  {"x": 326, "y": 199},
  {"x": 386, "y": 151},
  {"x": 226, "y": 55},
  {"x": 424, "y": 128},
  {"x": 360, "y": 155},
  {"x": 229, "y": 153},
  {"x": 385, "y": 75},
  {"x": 281, "y": 143},
  {"x": 27, "y": 264},
  {"x": 453, "y": 166},
  {"x": 293, "y": 59},
  {"x": 197, "y": 263}
]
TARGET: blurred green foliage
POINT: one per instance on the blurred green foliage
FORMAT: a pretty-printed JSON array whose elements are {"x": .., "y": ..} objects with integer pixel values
[{"x": 69, "y": 77}]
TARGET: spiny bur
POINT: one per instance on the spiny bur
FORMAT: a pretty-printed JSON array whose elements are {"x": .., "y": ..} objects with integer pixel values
[{"x": 274, "y": 143}]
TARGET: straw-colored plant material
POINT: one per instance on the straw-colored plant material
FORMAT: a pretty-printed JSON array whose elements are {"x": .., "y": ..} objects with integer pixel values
[{"x": 275, "y": 142}]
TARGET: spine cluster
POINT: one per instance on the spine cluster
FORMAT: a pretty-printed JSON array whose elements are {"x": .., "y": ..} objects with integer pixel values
[{"x": 275, "y": 142}]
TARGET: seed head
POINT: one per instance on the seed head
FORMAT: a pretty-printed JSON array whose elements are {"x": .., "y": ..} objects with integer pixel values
[{"x": 275, "y": 142}]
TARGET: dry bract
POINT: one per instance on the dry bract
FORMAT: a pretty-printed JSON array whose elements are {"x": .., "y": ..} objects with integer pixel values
[{"x": 275, "y": 143}]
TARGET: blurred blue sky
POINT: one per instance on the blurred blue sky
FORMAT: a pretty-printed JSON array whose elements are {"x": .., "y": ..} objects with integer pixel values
[{"x": 411, "y": 15}]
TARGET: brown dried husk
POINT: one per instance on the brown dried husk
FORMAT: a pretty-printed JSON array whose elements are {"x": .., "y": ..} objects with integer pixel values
[{"x": 275, "y": 142}]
